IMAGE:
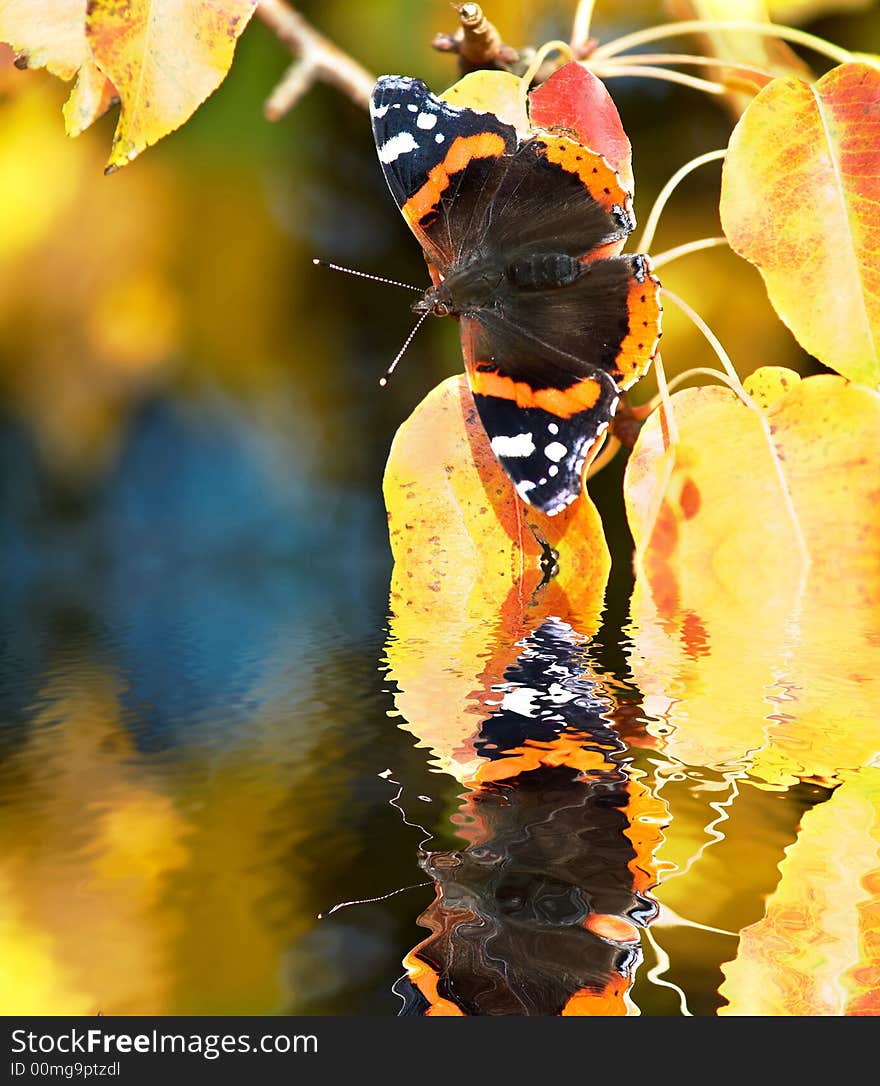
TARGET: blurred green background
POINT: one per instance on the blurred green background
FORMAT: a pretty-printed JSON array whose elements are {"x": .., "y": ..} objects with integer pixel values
[{"x": 192, "y": 533}]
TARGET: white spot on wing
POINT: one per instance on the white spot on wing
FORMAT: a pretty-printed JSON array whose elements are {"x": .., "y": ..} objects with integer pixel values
[
  {"x": 552, "y": 428},
  {"x": 398, "y": 145},
  {"x": 555, "y": 451},
  {"x": 524, "y": 487},
  {"x": 426, "y": 120},
  {"x": 378, "y": 111},
  {"x": 439, "y": 138},
  {"x": 552, "y": 470},
  {"x": 519, "y": 445}
]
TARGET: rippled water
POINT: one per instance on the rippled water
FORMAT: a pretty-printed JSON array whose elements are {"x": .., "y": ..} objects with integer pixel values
[{"x": 208, "y": 743}]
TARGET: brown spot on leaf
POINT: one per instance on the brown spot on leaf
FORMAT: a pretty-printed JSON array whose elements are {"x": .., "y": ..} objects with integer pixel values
[{"x": 689, "y": 500}]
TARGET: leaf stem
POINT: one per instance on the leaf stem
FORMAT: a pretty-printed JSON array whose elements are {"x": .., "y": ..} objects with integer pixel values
[
  {"x": 580, "y": 31},
  {"x": 647, "y": 237},
  {"x": 732, "y": 378},
  {"x": 714, "y": 342},
  {"x": 609, "y": 450},
  {"x": 690, "y": 59},
  {"x": 693, "y": 26},
  {"x": 683, "y": 250},
  {"x": 540, "y": 56},
  {"x": 318, "y": 59},
  {"x": 614, "y": 71}
]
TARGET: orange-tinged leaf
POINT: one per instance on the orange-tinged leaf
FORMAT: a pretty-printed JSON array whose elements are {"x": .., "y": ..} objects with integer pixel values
[
  {"x": 50, "y": 33},
  {"x": 164, "y": 57},
  {"x": 575, "y": 102},
  {"x": 466, "y": 584},
  {"x": 572, "y": 102},
  {"x": 801, "y": 200},
  {"x": 816, "y": 951},
  {"x": 457, "y": 526},
  {"x": 91, "y": 97},
  {"x": 748, "y": 655}
]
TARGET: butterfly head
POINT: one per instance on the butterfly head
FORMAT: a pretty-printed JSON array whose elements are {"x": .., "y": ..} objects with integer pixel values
[{"x": 464, "y": 291}]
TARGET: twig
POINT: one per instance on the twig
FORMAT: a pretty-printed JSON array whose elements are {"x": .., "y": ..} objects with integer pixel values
[
  {"x": 318, "y": 60},
  {"x": 477, "y": 42}
]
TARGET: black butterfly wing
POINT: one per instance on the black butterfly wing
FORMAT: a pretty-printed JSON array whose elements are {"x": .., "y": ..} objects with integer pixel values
[
  {"x": 442, "y": 163},
  {"x": 556, "y": 196},
  {"x": 546, "y": 369}
]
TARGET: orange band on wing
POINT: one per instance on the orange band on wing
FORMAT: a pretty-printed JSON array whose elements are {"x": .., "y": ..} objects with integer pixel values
[
  {"x": 560, "y": 402},
  {"x": 462, "y": 151},
  {"x": 592, "y": 169},
  {"x": 639, "y": 347}
]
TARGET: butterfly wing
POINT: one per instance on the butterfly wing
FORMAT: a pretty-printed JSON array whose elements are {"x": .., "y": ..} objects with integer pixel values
[
  {"x": 546, "y": 369},
  {"x": 442, "y": 163},
  {"x": 545, "y": 365}
]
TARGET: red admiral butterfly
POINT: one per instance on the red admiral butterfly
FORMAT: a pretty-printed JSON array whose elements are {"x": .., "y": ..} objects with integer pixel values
[{"x": 522, "y": 237}]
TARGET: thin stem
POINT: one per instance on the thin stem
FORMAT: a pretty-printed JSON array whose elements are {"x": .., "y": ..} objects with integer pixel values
[
  {"x": 540, "y": 56},
  {"x": 663, "y": 390},
  {"x": 736, "y": 384},
  {"x": 690, "y": 59},
  {"x": 694, "y": 26},
  {"x": 580, "y": 31},
  {"x": 317, "y": 59},
  {"x": 614, "y": 71},
  {"x": 609, "y": 450},
  {"x": 713, "y": 340},
  {"x": 647, "y": 237},
  {"x": 645, "y": 409},
  {"x": 683, "y": 250}
]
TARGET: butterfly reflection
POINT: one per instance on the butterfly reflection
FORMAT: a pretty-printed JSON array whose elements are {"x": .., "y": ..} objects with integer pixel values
[{"x": 539, "y": 912}]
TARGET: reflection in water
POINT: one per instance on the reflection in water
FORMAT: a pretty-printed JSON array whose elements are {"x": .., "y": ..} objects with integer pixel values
[{"x": 539, "y": 913}]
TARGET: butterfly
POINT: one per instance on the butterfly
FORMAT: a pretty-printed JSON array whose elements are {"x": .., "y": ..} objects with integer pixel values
[{"x": 522, "y": 236}]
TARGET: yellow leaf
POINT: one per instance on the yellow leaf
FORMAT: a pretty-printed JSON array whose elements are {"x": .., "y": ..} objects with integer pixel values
[
  {"x": 91, "y": 97},
  {"x": 747, "y": 655},
  {"x": 801, "y": 200},
  {"x": 794, "y": 12},
  {"x": 491, "y": 92},
  {"x": 467, "y": 582},
  {"x": 164, "y": 57},
  {"x": 50, "y": 33},
  {"x": 816, "y": 951}
]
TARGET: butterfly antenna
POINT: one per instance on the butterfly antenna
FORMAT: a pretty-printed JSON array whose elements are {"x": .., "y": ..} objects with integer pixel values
[
  {"x": 365, "y": 275},
  {"x": 383, "y": 381}
]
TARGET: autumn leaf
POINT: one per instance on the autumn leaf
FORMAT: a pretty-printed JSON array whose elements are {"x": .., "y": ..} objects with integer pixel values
[
  {"x": 491, "y": 92},
  {"x": 576, "y": 103},
  {"x": 165, "y": 57},
  {"x": 467, "y": 582},
  {"x": 817, "y": 949},
  {"x": 47, "y": 33},
  {"x": 755, "y": 628},
  {"x": 801, "y": 200},
  {"x": 91, "y": 97}
]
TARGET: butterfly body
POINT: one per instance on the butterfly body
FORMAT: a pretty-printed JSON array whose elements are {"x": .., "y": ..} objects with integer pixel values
[{"x": 522, "y": 237}]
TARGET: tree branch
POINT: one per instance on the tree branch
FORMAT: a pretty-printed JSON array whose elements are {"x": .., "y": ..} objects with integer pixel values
[{"x": 318, "y": 60}]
